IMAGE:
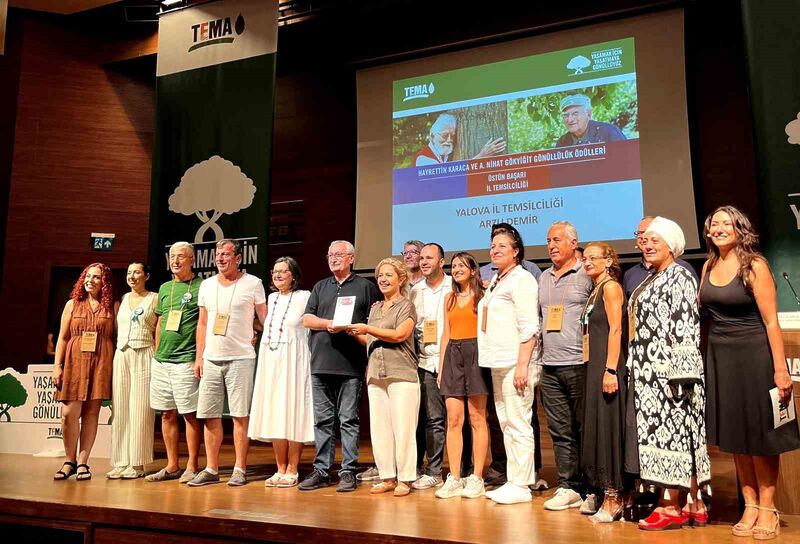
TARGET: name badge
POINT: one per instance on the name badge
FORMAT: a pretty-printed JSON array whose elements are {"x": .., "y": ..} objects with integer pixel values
[
  {"x": 430, "y": 331},
  {"x": 585, "y": 348},
  {"x": 174, "y": 320},
  {"x": 221, "y": 324},
  {"x": 555, "y": 316},
  {"x": 484, "y": 317},
  {"x": 89, "y": 341},
  {"x": 631, "y": 328}
]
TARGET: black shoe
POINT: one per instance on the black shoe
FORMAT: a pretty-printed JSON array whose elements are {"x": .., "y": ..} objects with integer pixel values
[
  {"x": 492, "y": 478},
  {"x": 347, "y": 482},
  {"x": 315, "y": 480}
]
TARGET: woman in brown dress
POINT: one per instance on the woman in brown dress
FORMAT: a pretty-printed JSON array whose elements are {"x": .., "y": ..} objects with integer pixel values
[{"x": 82, "y": 369}]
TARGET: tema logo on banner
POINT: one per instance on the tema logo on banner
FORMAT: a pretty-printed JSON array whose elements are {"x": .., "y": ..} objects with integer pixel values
[{"x": 215, "y": 31}]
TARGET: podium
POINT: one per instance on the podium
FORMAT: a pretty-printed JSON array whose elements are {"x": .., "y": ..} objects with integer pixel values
[{"x": 787, "y": 497}]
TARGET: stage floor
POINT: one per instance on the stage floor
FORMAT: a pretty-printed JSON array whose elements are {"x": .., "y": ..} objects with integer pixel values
[{"x": 128, "y": 511}]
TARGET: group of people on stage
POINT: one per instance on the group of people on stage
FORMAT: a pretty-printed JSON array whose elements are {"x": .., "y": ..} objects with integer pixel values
[{"x": 616, "y": 361}]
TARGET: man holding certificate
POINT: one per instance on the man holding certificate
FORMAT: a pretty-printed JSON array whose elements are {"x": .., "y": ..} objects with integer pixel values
[{"x": 337, "y": 364}]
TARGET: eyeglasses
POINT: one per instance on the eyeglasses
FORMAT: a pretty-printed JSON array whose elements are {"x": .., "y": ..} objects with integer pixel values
[
  {"x": 337, "y": 256},
  {"x": 592, "y": 259},
  {"x": 280, "y": 272},
  {"x": 410, "y": 253},
  {"x": 638, "y": 233},
  {"x": 178, "y": 257}
]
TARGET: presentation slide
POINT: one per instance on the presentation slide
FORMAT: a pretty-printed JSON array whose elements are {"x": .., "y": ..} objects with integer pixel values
[
  {"x": 587, "y": 125},
  {"x": 526, "y": 141}
]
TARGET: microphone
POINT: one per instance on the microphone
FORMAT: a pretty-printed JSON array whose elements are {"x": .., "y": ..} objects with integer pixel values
[{"x": 786, "y": 277}]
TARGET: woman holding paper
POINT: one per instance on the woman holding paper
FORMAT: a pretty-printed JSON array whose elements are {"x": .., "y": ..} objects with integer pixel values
[
  {"x": 132, "y": 428},
  {"x": 668, "y": 382},
  {"x": 82, "y": 368},
  {"x": 745, "y": 361},
  {"x": 392, "y": 379},
  {"x": 282, "y": 410},
  {"x": 508, "y": 323}
]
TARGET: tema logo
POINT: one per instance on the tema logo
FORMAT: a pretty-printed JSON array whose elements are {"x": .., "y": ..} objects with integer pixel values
[
  {"x": 578, "y": 64},
  {"x": 418, "y": 91},
  {"x": 215, "y": 32}
]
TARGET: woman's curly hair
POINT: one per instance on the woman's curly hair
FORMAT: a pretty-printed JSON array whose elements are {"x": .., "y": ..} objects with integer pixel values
[{"x": 79, "y": 294}]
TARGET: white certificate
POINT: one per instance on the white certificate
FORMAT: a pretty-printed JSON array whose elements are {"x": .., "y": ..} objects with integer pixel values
[
  {"x": 343, "y": 315},
  {"x": 781, "y": 414}
]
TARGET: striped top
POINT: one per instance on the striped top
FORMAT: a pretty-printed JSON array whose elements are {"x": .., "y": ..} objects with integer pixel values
[{"x": 135, "y": 328}]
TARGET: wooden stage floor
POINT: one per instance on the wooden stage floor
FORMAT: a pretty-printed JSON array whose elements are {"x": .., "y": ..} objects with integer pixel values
[{"x": 133, "y": 511}]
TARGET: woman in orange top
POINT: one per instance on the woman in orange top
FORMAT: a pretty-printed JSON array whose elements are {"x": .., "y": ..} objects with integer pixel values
[
  {"x": 460, "y": 377},
  {"x": 82, "y": 369}
]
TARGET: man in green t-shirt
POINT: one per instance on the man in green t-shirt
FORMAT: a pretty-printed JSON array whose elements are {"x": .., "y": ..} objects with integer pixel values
[{"x": 173, "y": 385}]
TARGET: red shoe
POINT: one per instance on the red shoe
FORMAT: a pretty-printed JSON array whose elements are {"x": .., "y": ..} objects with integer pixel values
[
  {"x": 699, "y": 519},
  {"x": 660, "y": 521},
  {"x": 686, "y": 518}
]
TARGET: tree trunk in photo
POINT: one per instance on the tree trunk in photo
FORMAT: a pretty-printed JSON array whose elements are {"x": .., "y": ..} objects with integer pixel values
[{"x": 477, "y": 125}]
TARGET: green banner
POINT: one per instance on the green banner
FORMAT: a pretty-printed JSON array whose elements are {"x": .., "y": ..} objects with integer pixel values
[
  {"x": 774, "y": 72},
  {"x": 211, "y": 163},
  {"x": 565, "y": 68}
]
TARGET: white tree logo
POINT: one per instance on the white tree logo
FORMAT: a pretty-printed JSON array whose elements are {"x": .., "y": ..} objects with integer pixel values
[
  {"x": 793, "y": 130},
  {"x": 209, "y": 189},
  {"x": 578, "y": 64}
]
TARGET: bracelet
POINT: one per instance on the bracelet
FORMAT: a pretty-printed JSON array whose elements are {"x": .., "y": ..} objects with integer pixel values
[{"x": 612, "y": 371}]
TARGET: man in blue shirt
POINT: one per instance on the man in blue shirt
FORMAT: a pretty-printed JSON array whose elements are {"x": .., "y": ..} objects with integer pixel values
[{"x": 576, "y": 112}]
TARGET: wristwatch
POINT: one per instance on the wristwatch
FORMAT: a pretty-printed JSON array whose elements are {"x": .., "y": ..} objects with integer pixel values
[{"x": 612, "y": 371}]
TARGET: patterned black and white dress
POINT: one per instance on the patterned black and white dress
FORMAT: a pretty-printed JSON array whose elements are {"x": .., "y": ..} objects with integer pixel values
[{"x": 668, "y": 381}]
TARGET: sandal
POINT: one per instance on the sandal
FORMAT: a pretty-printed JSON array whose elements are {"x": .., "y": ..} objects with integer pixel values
[
  {"x": 288, "y": 480},
  {"x": 85, "y": 475},
  {"x": 61, "y": 475},
  {"x": 768, "y": 533},
  {"x": 273, "y": 480},
  {"x": 383, "y": 487},
  {"x": 740, "y": 529}
]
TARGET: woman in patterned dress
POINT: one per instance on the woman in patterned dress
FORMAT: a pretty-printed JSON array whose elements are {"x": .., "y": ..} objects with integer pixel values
[{"x": 668, "y": 381}]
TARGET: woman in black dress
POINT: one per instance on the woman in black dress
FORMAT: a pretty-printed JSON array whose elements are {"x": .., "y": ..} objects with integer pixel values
[
  {"x": 745, "y": 360},
  {"x": 602, "y": 449}
]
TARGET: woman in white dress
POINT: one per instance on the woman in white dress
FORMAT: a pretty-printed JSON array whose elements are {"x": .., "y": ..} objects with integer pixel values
[
  {"x": 282, "y": 411},
  {"x": 132, "y": 426}
]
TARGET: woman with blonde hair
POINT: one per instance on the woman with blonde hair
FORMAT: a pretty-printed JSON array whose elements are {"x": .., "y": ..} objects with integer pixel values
[
  {"x": 602, "y": 440},
  {"x": 392, "y": 379}
]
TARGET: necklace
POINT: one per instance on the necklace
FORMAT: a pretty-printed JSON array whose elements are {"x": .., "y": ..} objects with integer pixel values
[{"x": 272, "y": 318}]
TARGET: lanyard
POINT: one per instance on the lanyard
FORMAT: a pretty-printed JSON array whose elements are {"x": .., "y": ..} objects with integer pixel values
[
  {"x": 233, "y": 294},
  {"x": 590, "y": 302},
  {"x": 184, "y": 299},
  {"x": 438, "y": 302},
  {"x": 564, "y": 293}
]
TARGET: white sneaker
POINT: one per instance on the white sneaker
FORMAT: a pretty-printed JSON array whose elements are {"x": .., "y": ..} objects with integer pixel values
[
  {"x": 451, "y": 488},
  {"x": 473, "y": 488},
  {"x": 369, "y": 475},
  {"x": 511, "y": 494},
  {"x": 115, "y": 473},
  {"x": 427, "y": 482},
  {"x": 564, "y": 498},
  {"x": 591, "y": 505}
]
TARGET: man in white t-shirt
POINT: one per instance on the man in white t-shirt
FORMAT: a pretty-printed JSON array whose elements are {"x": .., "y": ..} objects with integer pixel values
[
  {"x": 225, "y": 361},
  {"x": 429, "y": 297}
]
